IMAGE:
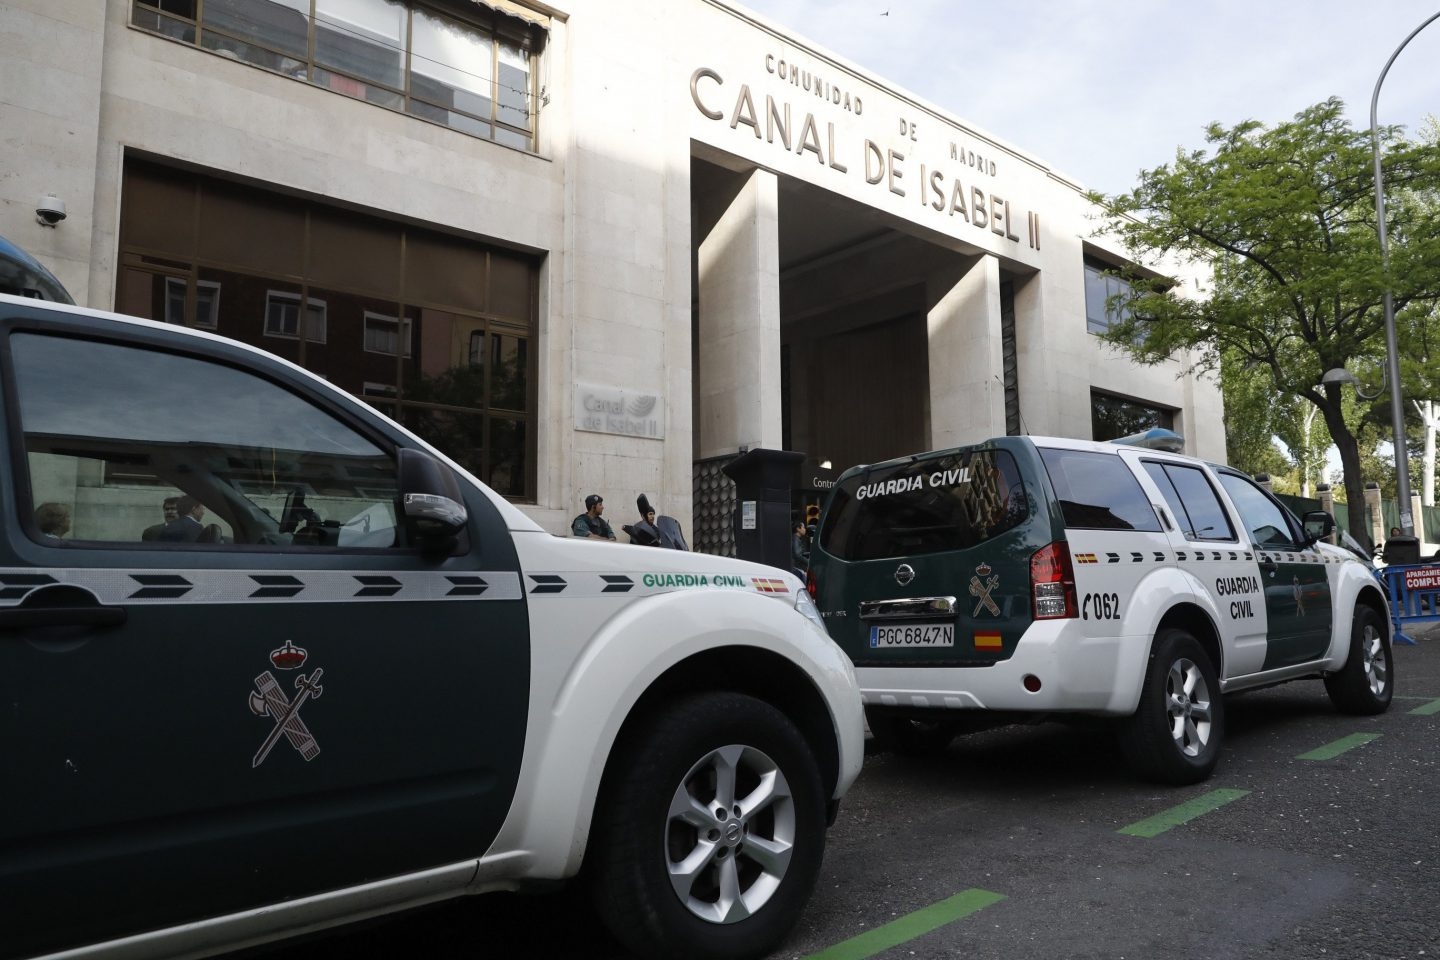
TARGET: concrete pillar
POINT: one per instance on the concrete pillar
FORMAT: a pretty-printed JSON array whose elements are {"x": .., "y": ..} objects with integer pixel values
[
  {"x": 738, "y": 380},
  {"x": 967, "y": 395},
  {"x": 1378, "y": 533},
  {"x": 1327, "y": 503},
  {"x": 1419, "y": 516}
]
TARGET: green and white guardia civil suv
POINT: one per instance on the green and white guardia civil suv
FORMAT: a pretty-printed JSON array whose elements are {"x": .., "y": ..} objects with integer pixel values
[{"x": 1030, "y": 576}]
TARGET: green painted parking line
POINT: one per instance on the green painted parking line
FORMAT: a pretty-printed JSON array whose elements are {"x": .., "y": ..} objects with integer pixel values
[
  {"x": 1332, "y": 750},
  {"x": 1184, "y": 813},
  {"x": 1427, "y": 709},
  {"x": 910, "y": 926}
]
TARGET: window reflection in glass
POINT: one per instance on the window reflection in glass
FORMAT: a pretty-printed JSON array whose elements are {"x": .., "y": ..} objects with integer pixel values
[
  {"x": 394, "y": 53},
  {"x": 1099, "y": 288},
  {"x": 362, "y": 38},
  {"x": 282, "y": 25},
  {"x": 506, "y": 473},
  {"x": 461, "y": 434},
  {"x": 150, "y": 15},
  {"x": 111, "y": 431},
  {"x": 460, "y": 121},
  {"x": 509, "y": 360},
  {"x": 75, "y": 388},
  {"x": 384, "y": 335},
  {"x": 472, "y": 360},
  {"x": 282, "y": 317},
  {"x": 251, "y": 53},
  {"x": 1112, "y": 417},
  {"x": 1266, "y": 520},
  {"x": 450, "y": 63},
  {"x": 514, "y": 86}
]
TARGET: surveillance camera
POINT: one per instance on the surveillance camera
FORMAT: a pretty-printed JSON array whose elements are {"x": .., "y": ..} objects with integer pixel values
[{"x": 49, "y": 210}]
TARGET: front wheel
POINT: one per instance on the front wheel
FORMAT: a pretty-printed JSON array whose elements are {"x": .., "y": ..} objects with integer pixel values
[
  {"x": 1364, "y": 685},
  {"x": 1174, "y": 735},
  {"x": 710, "y": 830}
]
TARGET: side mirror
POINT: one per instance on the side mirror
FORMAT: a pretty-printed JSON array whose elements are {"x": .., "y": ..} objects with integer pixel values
[
  {"x": 431, "y": 505},
  {"x": 1318, "y": 525}
]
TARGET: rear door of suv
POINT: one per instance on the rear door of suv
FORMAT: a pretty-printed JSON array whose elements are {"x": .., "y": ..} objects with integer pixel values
[
  {"x": 1114, "y": 535},
  {"x": 298, "y": 702},
  {"x": 926, "y": 561}
]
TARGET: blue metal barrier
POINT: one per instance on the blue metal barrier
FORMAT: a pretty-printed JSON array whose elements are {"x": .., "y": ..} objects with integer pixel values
[{"x": 1414, "y": 595}]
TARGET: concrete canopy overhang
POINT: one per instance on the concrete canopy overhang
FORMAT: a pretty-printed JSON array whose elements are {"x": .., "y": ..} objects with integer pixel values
[{"x": 834, "y": 250}]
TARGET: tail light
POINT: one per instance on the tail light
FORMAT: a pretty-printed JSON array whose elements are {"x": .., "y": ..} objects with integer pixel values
[
  {"x": 812, "y": 585},
  {"x": 1052, "y": 582}
]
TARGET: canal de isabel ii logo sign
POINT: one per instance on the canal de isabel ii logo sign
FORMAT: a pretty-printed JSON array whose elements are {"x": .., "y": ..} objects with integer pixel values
[{"x": 627, "y": 413}]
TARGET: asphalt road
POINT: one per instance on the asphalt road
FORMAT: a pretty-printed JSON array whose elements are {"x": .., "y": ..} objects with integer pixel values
[{"x": 1013, "y": 840}]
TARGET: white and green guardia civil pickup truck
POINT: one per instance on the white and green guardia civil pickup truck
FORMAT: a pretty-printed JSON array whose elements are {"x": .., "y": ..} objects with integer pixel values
[{"x": 339, "y": 676}]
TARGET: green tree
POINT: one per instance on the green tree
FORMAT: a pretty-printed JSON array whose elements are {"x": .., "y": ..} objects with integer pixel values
[
  {"x": 1250, "y": 427},
  {"x": 1286, "y": 217}
]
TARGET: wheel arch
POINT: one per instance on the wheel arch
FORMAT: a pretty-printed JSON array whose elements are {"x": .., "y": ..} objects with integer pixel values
[
  {"x": 762, "y": 674},
  {"x": 589, "y": 702},
  {"x": 1370, "y": 596},
  {"x": 1197, "y": 622}
]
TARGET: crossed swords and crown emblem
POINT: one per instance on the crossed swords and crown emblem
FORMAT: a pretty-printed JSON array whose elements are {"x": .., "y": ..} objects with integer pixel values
[
  {"x": 268, "y": 699},
  {"x": 981, "y": 586}
]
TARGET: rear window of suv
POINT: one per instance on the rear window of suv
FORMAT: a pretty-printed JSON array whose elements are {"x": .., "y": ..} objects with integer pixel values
[
  {"x": 1097, "y": 491},
  {"x": 949, "y": 502}
]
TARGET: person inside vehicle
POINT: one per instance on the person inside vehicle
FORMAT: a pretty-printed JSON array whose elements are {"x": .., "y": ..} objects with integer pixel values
[
  {"x": 591, "y": 525},
  {"x": 186, "y": 527},
  {"x": 53, "y": 519},
  {"x": 170, "y": 508}
]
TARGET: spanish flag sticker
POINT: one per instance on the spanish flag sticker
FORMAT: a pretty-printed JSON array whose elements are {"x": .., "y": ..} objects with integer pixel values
[{"x": 987, "y": 641}]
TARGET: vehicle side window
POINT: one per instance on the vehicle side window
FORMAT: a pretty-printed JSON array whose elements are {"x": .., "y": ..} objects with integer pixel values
[
  {"x": 943, "y": 503},
  {"x": 139, "y": 446},
  {"x": 1097, "y": 491},
  {"x": 1268, "y": 522},
  {"x": 1192, "y": 500}
]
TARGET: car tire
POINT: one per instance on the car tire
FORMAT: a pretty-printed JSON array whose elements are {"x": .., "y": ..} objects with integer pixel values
[
  {"x": 1364, "y": 686},
  {"x": 723, "y": 783},
  {"x": 1175, "y": 733},
  {"x": 908, "y": 736}
]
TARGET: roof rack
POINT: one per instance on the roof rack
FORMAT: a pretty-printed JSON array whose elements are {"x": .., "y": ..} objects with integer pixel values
[{"x": 1156, "y": 438}]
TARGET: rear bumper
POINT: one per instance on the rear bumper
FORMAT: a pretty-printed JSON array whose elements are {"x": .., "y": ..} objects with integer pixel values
[{"x": 1076, "y": 673}]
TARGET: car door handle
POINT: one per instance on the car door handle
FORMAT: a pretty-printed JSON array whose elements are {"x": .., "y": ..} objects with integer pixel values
[
  {"x": 24, "y": 618},
  {"x": 1268, "y": 566}
]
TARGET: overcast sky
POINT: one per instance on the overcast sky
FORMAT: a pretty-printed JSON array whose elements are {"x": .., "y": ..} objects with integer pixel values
[{"x": 1101, "y": 89}]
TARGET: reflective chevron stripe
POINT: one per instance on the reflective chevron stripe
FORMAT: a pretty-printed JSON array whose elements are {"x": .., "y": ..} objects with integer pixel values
[{"x": 263, "y": 586}]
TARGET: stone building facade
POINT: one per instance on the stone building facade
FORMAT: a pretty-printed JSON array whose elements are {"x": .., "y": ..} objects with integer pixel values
[{"x": 594, "y": 246}]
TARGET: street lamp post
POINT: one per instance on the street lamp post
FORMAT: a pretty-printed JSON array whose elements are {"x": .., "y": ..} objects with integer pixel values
[{"x": 1392, "y": 350}]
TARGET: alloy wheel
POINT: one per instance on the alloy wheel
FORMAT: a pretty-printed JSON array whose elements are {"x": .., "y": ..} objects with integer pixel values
[
  {"x": 730, "y": 833},
  {"x": 1187, "y": 699}
]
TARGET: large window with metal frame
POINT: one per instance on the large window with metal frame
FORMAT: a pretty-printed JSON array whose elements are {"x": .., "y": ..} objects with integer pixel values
[
  {"x": 437, "y": 331},
  {"x": 457, "y": 64},
  {"x": 1102, "y": 286},
  {"x": 1112, "y": 416}
]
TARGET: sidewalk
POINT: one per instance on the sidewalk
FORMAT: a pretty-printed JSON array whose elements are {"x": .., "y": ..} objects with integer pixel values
[{"x": 1421, "y": 632}]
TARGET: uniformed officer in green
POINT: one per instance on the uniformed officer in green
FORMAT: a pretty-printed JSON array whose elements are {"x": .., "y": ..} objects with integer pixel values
[{"x": 590, "y": 524}]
